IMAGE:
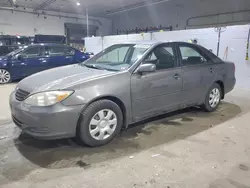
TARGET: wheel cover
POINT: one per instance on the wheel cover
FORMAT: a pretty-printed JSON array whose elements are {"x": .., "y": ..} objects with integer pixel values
[
  {"x": 103, "y": 124},
  {"x": 4, "y": 76},
  {"x": 214, "y": 97}
]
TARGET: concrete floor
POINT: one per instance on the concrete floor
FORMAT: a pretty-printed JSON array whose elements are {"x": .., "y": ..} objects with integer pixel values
[{"x": 186, "y": 149}]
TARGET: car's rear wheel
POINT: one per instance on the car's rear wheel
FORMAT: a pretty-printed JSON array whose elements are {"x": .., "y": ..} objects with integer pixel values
[
  {"x": 5, "y": 76},
  {"x": 213, "y": 98},
  {"x": 101, "y": 121}
]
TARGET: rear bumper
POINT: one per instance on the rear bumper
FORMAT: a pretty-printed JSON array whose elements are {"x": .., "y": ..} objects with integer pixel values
[
  {"x": 48, "y": 123},
  {"x": 229, "y": 85}
]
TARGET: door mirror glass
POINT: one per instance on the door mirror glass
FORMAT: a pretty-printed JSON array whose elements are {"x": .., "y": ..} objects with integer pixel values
[
  {"x": 20, "y": 57},
  {"x": 147, "y": 67}
]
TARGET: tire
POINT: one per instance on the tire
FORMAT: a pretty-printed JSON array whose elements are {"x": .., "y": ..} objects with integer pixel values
[
  {"x": 5, "y": 76},
  {"x": 99, "y": 123},
  {"x": 213, "y": 98}
]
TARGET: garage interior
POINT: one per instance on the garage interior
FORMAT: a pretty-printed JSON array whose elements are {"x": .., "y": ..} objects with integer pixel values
[{"x": 188, "y": 148}]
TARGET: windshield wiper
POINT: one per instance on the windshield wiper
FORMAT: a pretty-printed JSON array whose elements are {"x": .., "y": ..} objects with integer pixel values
[{"x": 94, "y": 66}]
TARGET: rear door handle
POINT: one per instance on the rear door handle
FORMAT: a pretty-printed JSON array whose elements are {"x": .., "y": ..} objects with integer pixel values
[
  {"x": 211, "y": 70},
  {"x": 176, "y": 76},
  {"x": 68, "y": 57}
]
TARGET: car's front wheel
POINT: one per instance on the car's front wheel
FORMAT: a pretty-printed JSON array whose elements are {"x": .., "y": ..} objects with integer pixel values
[
  {"x": 5, "y": 76},
  {"x": 101, "y": 121},
  {"x": 213, "y": 98}
]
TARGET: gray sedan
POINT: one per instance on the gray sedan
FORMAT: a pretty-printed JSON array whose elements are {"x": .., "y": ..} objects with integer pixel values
[{"x": 123, "y": 84}]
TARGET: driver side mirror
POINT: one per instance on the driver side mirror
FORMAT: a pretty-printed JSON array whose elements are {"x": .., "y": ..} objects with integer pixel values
[
  {"x": 148, "y": 67},
  {"x": 20, "y": 57}
]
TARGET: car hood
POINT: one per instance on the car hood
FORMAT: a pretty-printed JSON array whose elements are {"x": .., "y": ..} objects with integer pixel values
[{"x": 61, "y": 78}]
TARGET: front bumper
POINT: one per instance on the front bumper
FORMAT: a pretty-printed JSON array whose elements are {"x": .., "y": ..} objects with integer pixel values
[{"x": 53, "y": 122}]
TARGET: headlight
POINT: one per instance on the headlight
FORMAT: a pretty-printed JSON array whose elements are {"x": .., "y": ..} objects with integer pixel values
[{"x": 47, "y": 98}]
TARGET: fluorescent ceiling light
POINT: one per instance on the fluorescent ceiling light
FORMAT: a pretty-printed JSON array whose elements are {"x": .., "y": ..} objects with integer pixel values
[{"x": 78, "y": 4}]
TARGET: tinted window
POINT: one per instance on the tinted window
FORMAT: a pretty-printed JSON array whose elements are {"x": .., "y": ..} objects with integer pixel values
[
  {"x": 22, "y": 41},
  {"x": 163, "y": 57},
  {"x": 56, "y": 50},
  {"x": 32, "y": 52},
  {"x": 4, "y": 42},
  {"x": 70, "y": 51},
  {"x": 190, "y": 56},
  {"x": 60, "y": 50}
]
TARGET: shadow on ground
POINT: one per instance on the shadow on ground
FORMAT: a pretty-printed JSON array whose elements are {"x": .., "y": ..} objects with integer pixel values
[{"x": 141, "y": 136}]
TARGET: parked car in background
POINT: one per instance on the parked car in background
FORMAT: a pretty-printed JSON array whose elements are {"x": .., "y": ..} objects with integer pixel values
[
  {"x": 55, "y": 39},
  {"x": 35, "y": 58},
  {"x": 123, "y": 84},
  {"x": 10, "y": 43}
]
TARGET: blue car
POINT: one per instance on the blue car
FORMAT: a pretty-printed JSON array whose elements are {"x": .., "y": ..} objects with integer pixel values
[{"x": 37, "y": 57}]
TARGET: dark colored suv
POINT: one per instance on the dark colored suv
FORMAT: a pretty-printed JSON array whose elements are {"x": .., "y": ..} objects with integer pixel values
[{"x": 10, "y": 43}]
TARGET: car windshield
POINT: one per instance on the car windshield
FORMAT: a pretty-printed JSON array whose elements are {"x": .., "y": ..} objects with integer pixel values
[
  {"x": 16, "y": 51},
  {"x": 117, "y": 57}
]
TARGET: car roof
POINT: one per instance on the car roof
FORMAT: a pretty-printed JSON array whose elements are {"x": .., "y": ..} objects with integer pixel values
[
  {"x": 48, "y": 44},
  {"x": 146, "y": 42},
  {"x": 153, "y": 42}
]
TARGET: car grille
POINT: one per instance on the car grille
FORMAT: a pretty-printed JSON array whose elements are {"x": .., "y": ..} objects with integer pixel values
[{"x": 21, "y": 95}]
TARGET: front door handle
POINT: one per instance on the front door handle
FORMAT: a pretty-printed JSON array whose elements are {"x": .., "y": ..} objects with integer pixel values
[{"x": 176, "y": 76}]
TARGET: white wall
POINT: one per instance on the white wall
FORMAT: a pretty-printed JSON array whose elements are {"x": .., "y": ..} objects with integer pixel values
[
  {"x": 177, "y": 12},
  {"x": 233, "y": 38},
  {"x": 97, "y": 44},
  {"x": 29, "y": 24},
  {"x": 206, "y": 37}
]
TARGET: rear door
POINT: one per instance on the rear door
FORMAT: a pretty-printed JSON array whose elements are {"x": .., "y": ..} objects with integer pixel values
[
  {"x": 59, "y": 56},
  {"x": 198, "y": 72}
]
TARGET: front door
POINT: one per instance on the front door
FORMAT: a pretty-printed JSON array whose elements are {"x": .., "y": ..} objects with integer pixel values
[
  {"x": 198, "y": 73},
  {"x": 160, "y": 91},
  {"x": 33, "y": 60}
]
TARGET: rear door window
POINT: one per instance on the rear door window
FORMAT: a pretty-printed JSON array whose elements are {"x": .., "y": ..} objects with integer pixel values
[
  {"x": 191, "y": 56},
  {"x": 57, "y": 50}
]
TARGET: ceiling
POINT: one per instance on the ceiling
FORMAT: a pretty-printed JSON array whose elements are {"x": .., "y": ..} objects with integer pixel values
[{"x": 95, "y": 7}]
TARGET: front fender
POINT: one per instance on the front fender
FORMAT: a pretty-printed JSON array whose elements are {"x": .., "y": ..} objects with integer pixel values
[
  {"x": 3, "y": 63},
  {"x": 117, "y": 86}
]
